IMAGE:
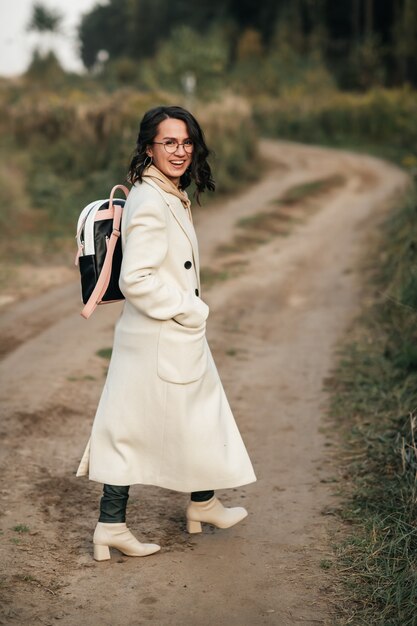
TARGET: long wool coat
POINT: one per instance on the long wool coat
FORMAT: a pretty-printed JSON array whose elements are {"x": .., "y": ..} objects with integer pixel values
[{"x": 163, "y": 417}]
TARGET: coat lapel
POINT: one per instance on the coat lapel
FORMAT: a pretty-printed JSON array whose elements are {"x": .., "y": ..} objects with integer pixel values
[{"x": 180, "y": 215}]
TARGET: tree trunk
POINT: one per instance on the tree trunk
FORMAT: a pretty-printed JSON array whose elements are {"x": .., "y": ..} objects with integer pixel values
[
  {"x": 356, "y": 23},
  {"x": 369, "y": 17}
]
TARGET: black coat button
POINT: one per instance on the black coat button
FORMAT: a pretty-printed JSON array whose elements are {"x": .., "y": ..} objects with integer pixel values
[
  {"x": 197, "y": 293},
  {"x": 187, "y": 265}
]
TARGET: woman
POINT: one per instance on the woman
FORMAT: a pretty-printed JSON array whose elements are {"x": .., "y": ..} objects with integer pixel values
[{"x": 163, "y": 418}]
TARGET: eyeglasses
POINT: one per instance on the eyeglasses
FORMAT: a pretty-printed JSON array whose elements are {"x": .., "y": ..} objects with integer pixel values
[{"x": 172, "y": 146}]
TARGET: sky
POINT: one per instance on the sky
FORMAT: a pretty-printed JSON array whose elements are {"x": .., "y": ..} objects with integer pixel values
[{"x": 16, "y": 44}]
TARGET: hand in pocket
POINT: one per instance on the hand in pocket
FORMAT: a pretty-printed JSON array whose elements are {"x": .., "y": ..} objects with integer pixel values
[{"x": 182, "y": 352}]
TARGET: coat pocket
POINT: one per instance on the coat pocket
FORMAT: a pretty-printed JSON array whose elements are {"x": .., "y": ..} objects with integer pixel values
[{"x": 182, "y": 352}]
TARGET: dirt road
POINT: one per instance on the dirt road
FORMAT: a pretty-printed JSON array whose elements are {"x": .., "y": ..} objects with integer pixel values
[{"x": 275, "y": 320}]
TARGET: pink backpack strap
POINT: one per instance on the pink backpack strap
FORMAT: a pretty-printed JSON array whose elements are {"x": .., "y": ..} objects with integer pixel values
[{"x": 104, "y": 278}]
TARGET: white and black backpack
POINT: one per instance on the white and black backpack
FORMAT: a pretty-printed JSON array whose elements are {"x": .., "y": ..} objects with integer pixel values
[{"x": 99, "y": 254}]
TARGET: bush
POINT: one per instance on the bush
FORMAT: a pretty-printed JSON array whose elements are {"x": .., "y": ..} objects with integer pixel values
[
  {"x": 379, "y": 118},
  {"x": 283, "y": 73},
  {"x": 45, "y": 68},
  {"x": 233, "y": 137}
]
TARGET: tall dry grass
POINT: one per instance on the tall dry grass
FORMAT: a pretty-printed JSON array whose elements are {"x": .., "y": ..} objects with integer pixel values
[
  {"x": 68, "y": 149},
  {"x": 382, "y": 121},
  {"x": 374, "y": 405}
]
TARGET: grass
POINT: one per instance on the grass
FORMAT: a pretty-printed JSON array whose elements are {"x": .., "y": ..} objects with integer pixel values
[
  {"x": 209, "y": 276},
  {"x": 311, "y": 189},
  {"x": 104, "y": 353},
  {"x": 21, "y": 528},
  {"x": 263, "y": 226},
  {"x": 373, "y": 404},
  {"x": 26, "y": 578}
]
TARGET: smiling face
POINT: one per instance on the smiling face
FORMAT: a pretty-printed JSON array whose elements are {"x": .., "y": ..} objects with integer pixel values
[{"x": 172, "y": 165}]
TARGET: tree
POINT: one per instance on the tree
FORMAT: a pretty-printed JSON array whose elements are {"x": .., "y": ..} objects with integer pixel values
[
  {"x": 186, "y": 53},
  {"x": 359, "y": 30},
  {"x": 44, "y": 20},
  {"x": 46, "y": 23},
  {"x": 104, "y": 28},
  {"x": 405, "y": 40},
  {"x": 137, "y": 28},
  {"x": 249, "y": 45}
]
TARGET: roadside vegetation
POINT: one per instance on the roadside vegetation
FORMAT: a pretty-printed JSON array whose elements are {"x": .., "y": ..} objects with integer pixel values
[
  {"x": 61, "y": 150},
  {"x": 374, "y": 406},
  {"x": 379, "y": 121}
]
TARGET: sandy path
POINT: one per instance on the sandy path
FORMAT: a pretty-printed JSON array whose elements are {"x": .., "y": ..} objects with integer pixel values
[{"x": 273, "y": 329}]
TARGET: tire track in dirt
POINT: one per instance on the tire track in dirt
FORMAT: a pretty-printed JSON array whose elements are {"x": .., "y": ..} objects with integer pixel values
[
  {"x": 273, "y": 330},
  {"x": 28, "y": 318}
]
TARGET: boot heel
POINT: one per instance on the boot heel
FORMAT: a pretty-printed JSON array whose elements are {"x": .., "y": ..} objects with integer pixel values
[
  {"x": 193, "y": 527},
  {"x": 101, "y": 553}
]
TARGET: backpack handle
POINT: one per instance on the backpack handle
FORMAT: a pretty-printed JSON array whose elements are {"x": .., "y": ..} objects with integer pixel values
[
  {"x": 113, "y": 191},
  {"x": 104, "y": 278}
]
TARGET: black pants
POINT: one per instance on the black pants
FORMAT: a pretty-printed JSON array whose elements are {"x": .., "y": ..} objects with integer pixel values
[{"x": 113, "y": 502}]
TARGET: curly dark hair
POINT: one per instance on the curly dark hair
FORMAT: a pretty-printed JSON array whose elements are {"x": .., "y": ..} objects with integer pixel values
[{"x": 199, "y": 171}]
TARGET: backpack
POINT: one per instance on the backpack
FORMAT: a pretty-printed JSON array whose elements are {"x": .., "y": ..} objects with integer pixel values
[{"x": 99, "y": 254}]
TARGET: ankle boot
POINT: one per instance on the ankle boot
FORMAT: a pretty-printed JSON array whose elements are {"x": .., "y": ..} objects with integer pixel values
[
  {"x": 212, "y": 512},
  {"x": 119, "y": 536}
]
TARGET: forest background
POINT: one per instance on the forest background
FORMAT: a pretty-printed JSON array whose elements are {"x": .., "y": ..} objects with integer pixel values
[{"x": 337, "y": 73}]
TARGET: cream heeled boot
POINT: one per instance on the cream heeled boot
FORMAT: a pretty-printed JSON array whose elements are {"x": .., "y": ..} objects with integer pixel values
[
  {"x": 119, "y": 536},
  {"x": 212, "y": 512}
]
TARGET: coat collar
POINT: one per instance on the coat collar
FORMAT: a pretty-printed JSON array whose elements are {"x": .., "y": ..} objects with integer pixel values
[{"x": 180, "y": 214}]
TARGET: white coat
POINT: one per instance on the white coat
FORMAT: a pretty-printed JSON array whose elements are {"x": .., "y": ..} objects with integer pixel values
[{"x": 163, "y": 417}]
